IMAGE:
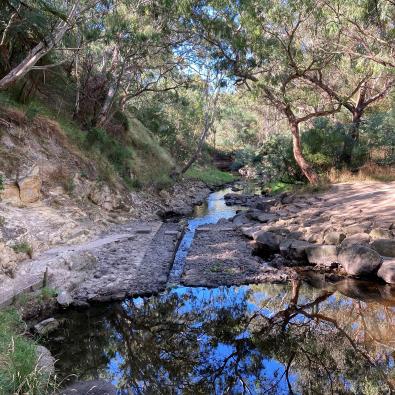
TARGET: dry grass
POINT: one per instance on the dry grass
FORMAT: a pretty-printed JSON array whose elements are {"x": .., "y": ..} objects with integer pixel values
[{"x": 369, "y": 172}]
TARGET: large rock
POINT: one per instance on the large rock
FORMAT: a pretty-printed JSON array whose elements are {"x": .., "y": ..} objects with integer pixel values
[
  {"x": 387, "y": 271},
  {"x": 267, "y": 241},
  {"x": 249, "y": 230},
  {"x": 379, "y": 233},
  {"x": 294, "y": 249},
  {"x": 356, "y": 228},
  {"x": 359, "y": 260},
  {"x": 47, "y": 326},
  {"x": 45, "y": 361},
  {"x": 334, "y": 238},
  {"x": 324, "y": 255},
  {"x": 30, "y": 186},
  {"x": 358, "y": 238},
  {"x": 384, "y": 247}
]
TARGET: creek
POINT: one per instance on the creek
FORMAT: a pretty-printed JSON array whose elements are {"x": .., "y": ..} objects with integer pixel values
[{"x": 299, "y": 338}]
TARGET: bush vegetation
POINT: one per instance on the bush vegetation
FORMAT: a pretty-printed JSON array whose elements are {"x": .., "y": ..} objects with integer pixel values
[
  {"x": 19, "y": 372},
  {"x": 23, "y": 247},
  {"x": 210, "y": 175}
]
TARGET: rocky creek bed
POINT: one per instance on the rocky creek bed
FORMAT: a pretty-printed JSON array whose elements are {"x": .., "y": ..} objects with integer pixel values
[{"x": 235, "y": 239}]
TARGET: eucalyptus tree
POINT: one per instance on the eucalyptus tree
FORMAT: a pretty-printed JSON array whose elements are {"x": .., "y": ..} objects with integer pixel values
[
  {"x": 135, "y": 53},
  {"x": 258, "y": 44},
  {"x": 367, "y": 29},
  {"x": 34, "y": 29}
]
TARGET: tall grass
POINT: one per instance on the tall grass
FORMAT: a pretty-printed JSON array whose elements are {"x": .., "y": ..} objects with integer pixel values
[
  {"x": 368, "y": 172},
  {"x": 19, "y": 370}
]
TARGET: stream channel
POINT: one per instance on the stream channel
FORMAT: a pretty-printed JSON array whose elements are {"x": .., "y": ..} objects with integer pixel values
[{"x": 316, "y": 338}]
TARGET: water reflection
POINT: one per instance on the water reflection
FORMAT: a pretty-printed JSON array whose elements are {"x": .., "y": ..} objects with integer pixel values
[{"x": 260, "y": 339}]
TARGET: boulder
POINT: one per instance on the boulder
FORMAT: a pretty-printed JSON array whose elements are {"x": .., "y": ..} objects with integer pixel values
[
  {"x": 47, "y": 326},
  {"x": 387, "y": 271},
  {"x": 379, "y": 233},
  {"x": 30, "y": 186},
  {"x": 267, "y": 241},
  {"x": 334, "y": 238},
  {"x": 240, "y": 219},
  {"x": 294, "y": 249},
  {"x": 358, "y": 238},
  {"x": 45, "y": 361},
  {"x": 359, "y": 260},
  {"x": 357, "y": 228},
  {"x": 324, "y": 255},
  {"x": 384, "y": 247},
  {"x": 248, "y": 230}
]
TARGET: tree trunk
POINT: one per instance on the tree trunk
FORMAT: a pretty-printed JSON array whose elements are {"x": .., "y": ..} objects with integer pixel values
[
  {"x": 305, "y": 166},
  {"x": 202, "y": 139},
  {"x": 352, "y": 137},
  {"x": 113, "y": 88},
  {"x": 40, "y": 50}
]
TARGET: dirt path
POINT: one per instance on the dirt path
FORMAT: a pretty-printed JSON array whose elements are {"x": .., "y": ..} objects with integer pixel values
[{"x": 362, "y": 201}]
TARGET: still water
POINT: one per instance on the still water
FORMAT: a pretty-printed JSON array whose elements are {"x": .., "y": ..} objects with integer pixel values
[{"x": 315, "y": 338}]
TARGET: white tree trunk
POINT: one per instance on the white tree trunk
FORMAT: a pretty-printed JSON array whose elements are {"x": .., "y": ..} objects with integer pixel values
[{"x": 40, "y": 50}]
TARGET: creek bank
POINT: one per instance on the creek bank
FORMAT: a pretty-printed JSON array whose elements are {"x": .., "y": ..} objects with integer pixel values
[
  {"x": 65, "y": 239},
  {"x": 348, "y": 231}
]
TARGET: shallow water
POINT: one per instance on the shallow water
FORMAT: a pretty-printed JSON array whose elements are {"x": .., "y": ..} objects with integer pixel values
[
  {"x": 208, "y": 213},
  {"x": 260, "y": 339}
]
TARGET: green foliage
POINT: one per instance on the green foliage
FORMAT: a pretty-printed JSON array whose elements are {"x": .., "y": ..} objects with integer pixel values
[
  {"x": 23, "y": 247},
  {"x": 48, "y": 293},
  {"x": 278, "y": 160},
  {"x": 18, "y": 359},
  {"x": 210, "y": 175},
  {"x": 1, "y": 183},
  {"x": 117, "y": 153}
]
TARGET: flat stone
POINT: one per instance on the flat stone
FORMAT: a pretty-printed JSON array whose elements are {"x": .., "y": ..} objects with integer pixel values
[
  {"x": 387, "y": 271},
  {"x": 322, "y": 254},
  {"x": 267, "y": 241},
  {"x": 359, "y": 260}
]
